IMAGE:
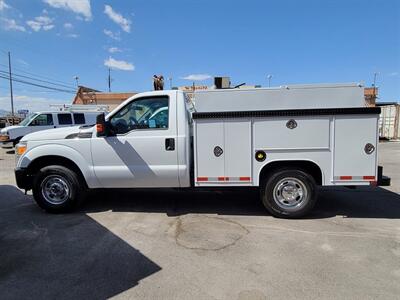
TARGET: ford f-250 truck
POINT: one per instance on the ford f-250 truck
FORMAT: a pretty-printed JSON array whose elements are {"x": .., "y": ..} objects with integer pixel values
[{"x": 286, "y": 141}]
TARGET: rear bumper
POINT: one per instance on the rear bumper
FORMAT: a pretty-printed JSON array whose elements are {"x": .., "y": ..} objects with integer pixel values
[
  {"x": 382, "y": 179},
  {"x": 23, "y": 179}
]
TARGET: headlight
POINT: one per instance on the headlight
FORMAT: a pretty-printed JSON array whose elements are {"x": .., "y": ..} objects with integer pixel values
[
  {"x": 4, "y": 137},
  {"x": 20, "y": 149}
]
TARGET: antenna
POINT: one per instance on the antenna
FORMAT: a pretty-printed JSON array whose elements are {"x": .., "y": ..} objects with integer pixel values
[
  {"x": 77, "y": 80},
  {"x": 109, "y": 80}
]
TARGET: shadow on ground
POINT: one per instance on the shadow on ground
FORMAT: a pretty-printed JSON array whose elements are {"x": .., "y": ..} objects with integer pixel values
[
  {"x": 338, "y": 201},
  {"x": 72, "y": 256},
  {"x": 44, "y": 256}
]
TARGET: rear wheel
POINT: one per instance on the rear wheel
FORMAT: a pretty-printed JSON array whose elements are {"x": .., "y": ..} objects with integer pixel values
[
  {"x": 289, "y": 193},
  {"x": 57, "y": 189}
]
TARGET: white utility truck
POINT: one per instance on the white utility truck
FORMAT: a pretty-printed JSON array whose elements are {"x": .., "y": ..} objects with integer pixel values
[
  {"x": 67, "y": 115},
  {"x": 286, "y": 141}
]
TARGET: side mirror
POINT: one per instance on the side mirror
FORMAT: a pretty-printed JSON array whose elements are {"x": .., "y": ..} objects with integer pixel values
[{"x": 101, "y": 126}]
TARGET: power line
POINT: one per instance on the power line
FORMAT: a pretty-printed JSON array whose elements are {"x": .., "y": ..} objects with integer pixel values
[
  {"x": 36, "y": 75},
  {"x": 40, "y": 80},
  {"x": 38, "y": 85}
]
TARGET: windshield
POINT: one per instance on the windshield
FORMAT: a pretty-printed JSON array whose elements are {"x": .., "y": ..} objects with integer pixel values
[{"x": 28, "y": 119}]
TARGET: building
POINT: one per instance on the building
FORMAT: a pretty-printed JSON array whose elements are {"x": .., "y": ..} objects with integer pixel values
[
  {"x": 370, "y": 94},
  {"x": 86, "y": 96},
  {"x": 389, "y": 120}
]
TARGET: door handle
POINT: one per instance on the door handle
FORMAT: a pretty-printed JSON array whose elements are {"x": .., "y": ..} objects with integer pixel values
[{"x": 170, "y": 144}]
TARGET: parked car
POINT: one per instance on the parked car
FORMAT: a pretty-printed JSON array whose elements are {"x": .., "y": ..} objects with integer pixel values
[{"x": 11, "y": 135}]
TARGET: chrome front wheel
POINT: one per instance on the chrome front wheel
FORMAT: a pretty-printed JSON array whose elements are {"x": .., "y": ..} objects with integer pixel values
[
  {"x": 55, "y": 189},
  {"x": 58, "y": 189}
]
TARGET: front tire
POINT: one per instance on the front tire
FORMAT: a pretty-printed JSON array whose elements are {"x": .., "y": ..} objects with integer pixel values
[
  {"x": 289, "y": 193},
  {"x": 57, "y": 189}
]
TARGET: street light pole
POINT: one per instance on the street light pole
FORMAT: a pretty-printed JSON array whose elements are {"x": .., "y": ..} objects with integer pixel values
[
  {"x": 375, "y": 75},
  {"x": 269, "y": 76},
  {"x": 11, "y": 86}
]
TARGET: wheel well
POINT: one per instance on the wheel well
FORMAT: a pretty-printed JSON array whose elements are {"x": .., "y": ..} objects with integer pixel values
[
  {"x": 308, "y": 166},
  {"x": 44, "y": 161}
]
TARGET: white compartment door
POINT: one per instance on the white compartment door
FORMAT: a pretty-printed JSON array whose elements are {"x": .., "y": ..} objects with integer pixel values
[
  {"x": 209, "y": 136},
  {"x": 238, "y": 151},
  {"x": 351, "y": 162}
]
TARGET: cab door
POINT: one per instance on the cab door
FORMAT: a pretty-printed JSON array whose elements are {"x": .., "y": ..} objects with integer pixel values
[{"x": 141, "y": 152}]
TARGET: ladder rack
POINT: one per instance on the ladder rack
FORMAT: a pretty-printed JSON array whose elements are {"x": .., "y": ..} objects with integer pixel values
[{"x": 80, "y": 108}]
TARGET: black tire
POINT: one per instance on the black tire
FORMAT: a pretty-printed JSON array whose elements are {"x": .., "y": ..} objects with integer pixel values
[
  {"x": 273, "y": 193},
  {"x": 62, "y": 177}
]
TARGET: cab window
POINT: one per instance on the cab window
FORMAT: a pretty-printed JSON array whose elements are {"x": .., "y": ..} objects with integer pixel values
[
  {"x": 79, "y": 118},
  {"x": 64, "y": 119},
  {"x": 143, "y": 113},
  {"x": 42, "y": 120}
]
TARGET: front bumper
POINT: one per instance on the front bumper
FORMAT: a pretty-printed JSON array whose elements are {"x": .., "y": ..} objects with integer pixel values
[
  {"x": 382, "y": 179},
  {"x": 23, "y": 178},
  {"x": 7, "y": 143}
]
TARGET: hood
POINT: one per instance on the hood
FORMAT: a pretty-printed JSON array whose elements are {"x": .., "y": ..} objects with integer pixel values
[
  {"x": 9, "y": 128},
  {"x": 60, "y": 133}
]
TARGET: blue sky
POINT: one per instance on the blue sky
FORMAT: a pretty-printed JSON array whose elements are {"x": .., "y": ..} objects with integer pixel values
[{"x": 306, "y": 41}]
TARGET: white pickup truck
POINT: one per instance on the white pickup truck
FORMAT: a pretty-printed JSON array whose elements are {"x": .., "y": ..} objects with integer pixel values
[{"x": 285, "y": 141}]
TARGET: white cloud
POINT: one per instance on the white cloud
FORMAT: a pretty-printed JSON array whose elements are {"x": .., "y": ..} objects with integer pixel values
[
  {"x": 197, "y": 77},
  {"x": 118, "y": 64},
  {"x": 115, "y": 36},
  {"x": 41, "y": 23},
  {"x": 68, "y": 26},
  {"x": 118, "y": 18},
  {"x": 114, "y": 50},
  {"x": 23, "y": 62},
  {"x": 11, "y": 24},
  {"x": 31, "y": 103},
  {"x": 81, "y": 7},
  {"x": 3, "y": 5},
  {"x": 73, "y": 35},
  {"x": 394, "y": 74}
]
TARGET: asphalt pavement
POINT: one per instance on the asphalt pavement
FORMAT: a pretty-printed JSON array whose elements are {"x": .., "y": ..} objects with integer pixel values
[{"x": 169, "y": 244}]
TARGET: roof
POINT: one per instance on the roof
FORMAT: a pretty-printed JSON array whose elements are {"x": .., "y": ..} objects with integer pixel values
[
  {"x": 88, "y": 94},
  {"x": 386, "y": 103},
  {"x": 371, "y": 91}
]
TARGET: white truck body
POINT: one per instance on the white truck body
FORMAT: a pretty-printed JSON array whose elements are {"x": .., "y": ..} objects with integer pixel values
[{"x": 213, "y": 140}]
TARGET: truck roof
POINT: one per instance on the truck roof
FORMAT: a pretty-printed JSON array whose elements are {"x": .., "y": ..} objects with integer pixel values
[{"x": 305, "y": 96}]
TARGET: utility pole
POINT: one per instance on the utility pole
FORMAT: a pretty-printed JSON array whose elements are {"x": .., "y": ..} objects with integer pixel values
[
  {"x": 11, "y": 86},
  {"x": 109, "y": 80}
]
